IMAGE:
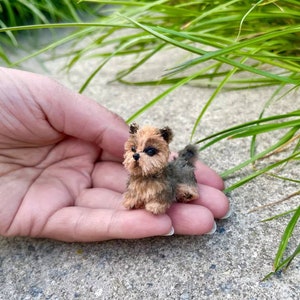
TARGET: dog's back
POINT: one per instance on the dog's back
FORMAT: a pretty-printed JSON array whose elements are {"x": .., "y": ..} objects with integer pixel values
[{"x": 182, "y": 168}]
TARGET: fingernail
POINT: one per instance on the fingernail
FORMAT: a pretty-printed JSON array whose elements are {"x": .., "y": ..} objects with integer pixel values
[
  {"x": 213, "y": 229},
  {"x": 228, "y": 214},
  {"x": 171, "y": 232}
]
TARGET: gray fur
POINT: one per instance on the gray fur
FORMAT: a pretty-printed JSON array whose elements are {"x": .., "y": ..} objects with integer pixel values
[{"x": 181, "y": 169}]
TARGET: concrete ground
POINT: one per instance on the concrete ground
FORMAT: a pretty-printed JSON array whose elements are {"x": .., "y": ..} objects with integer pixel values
[{"x": 226, "y": 265}]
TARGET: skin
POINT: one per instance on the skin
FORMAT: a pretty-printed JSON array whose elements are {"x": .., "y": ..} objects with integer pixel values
[{"x": 61, "y": 172}]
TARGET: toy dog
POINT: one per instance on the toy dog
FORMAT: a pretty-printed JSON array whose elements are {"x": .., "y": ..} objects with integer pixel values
[{"x": 154, "y": 182}]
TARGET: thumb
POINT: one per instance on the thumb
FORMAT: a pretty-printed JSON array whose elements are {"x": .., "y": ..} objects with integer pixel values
[
  {"x": 74, "y": 114},
  {"x": 77, "y": 115}
]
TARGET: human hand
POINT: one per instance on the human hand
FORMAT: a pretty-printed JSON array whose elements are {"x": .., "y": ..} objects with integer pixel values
[{"x": 61, "y": 174}]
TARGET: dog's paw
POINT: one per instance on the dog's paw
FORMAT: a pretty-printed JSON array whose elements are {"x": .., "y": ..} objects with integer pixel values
[
  {"x": 186, "y": 193},
  {"x": 156, "y": 207},
  {"x": 128, "y": 203}
]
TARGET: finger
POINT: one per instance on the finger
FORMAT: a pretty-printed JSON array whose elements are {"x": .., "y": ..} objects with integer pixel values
[
  {"x": 190, "y": 219},
  {"x": 213, "y": 199},
  {"x": 207, "y": 176},
  {"x": 107, "y": 156},
  {"x": 100, "y": 198},
  {"x": 110, "y": 175},
  {"x": 87, "y": 120},
  {"x": 74, "y": 114},
  {"x": 78, "y": 224},
  {"x": 210, "y": 198}
]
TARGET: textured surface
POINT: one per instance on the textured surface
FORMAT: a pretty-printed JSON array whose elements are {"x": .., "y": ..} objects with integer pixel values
[{"x": 227, "y": 265}]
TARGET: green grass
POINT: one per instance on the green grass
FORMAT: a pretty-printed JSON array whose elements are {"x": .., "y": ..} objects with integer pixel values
[
  {"x": 231, "y": 45},
  {"x": 16, "y": 13}
]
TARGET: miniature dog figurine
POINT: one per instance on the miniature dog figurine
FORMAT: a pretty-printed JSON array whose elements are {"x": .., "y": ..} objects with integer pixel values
[{"x": 154, "y": 182}]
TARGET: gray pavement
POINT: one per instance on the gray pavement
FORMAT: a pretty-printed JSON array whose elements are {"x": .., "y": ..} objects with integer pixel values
[{"x": 226, "y": 265}]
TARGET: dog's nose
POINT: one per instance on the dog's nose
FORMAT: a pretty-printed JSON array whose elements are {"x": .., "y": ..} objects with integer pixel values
[{"x": 136, "y": 156}]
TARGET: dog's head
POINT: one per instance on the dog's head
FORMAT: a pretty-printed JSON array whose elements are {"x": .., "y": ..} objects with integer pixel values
[{"x": 147, "y": 150}]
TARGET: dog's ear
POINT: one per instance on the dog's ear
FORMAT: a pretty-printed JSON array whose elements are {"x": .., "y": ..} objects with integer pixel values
[
  {"x": 133, "y": 128},
  {"x": 167, "y": 134}
]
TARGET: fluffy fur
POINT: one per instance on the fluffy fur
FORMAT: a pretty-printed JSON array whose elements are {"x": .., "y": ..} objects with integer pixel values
[{"x": 154, "y": 182}]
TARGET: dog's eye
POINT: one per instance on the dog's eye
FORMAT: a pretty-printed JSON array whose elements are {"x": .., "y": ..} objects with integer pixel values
[
  {"x": 133, "y": 149},
  {"x": 150, "y": 151}
]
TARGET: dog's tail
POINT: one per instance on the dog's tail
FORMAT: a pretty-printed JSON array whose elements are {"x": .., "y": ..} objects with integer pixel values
[{"x": 188, "y": 154}]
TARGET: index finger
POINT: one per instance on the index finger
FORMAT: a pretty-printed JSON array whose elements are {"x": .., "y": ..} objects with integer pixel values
[
  {"x": 87, "y": 120},
  {"x": 71, "y": 113},
  {"x": 81, "y": 224}
]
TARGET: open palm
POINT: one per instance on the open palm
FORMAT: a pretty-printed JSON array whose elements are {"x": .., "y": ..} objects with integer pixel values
[{"x": 61, "y": 174}]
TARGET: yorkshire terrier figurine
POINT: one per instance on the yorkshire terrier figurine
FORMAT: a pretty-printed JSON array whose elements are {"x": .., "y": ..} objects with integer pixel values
[{"x": 154, "y": 182}]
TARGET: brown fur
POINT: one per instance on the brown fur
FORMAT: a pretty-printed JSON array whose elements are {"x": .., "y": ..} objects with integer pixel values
[{"x": 154, "y": 183}]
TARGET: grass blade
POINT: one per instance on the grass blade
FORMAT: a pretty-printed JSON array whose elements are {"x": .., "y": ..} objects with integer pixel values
[
  {"x": 229, "y": 132},
  {"x": 285, "y": 238},
  {"x": 256, "y": 173},
  {"x": 162, "y": 95}
]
